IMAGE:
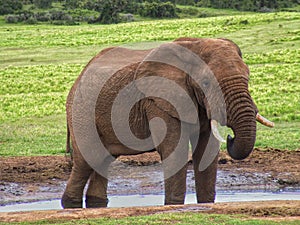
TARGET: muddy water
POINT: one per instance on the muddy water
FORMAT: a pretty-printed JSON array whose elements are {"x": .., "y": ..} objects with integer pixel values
[
  {"x": 143, "y": 186},
  {"x": 154, "y": 200}
]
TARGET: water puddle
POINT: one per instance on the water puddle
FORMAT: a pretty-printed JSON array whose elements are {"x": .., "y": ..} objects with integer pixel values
[{"x": 154, "y": 200}]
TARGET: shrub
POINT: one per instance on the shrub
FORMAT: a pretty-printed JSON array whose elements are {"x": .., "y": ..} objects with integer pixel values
[
  {"x": 185, "y": 2},
  {"x": 31, "y": 20},
  {"x": 24, "y": 15},
  {"x": 189, "y": 11},
  {"x": 127, "y": 17},
  {"x": 43, "y": 16},
  {"x": 12, "y": 19},
  {"x": 110, "y": 10},
  {"x": 82, "y": 14},
  {"x": 10, "y": 6},
  {"x": 132, "y": 7},
  {"x": 248, "y": 5},
  {"x": 43, "y": 4},
  {"x": 265, "y": 9},
  {"x": 57, "y": 15},
  {"x": 158, "y": 10}
]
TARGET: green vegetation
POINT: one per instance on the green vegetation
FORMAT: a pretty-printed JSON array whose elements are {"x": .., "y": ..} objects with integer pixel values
[
  {"x": 74, "y": 12},
  {"x": 249, "y": 5},
  {"x": 171, "y": 218},
  {"x": 39, "y": 63}
]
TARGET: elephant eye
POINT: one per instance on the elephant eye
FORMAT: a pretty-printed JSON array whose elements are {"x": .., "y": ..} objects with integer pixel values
[{"x": 205, "y": 84}]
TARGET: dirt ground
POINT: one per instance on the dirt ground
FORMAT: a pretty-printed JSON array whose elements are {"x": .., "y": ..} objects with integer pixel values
[
  {"x": 281, "y": 169},
  {"x": 270, "y": 210},
  {"x": 281, "y": 165}
]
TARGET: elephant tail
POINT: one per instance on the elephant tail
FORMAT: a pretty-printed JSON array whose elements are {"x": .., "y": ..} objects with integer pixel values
[
  {"x": 68, "y": 144},
  {"x": 69, "y": 149}
]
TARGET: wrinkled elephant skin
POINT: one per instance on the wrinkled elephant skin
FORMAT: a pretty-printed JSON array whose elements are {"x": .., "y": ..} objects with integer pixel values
[{"x": 159, "y": 99}]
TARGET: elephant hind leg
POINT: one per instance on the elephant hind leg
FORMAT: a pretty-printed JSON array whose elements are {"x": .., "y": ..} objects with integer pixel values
[
  {"x": 96, "y": 195},
  {"x": 81, "y": 171}
]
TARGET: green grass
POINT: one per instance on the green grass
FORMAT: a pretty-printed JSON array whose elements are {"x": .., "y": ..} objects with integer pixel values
[
  {"x": 34, "y": 136},
  {"x": 194, "y": 12},
  {"x": 39, "y": 63},
  {"x": 276, "y": 89},
  {"x": 285, "y": 135},
  {"x": 36, "y": 90},
  {"x": 33, "y": 36},
  {"x": 171, "y": 218}
]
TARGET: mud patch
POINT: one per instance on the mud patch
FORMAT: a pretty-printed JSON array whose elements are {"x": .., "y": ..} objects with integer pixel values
[
  {"x": 277, "y": 210},
  {"x": 27, "y": 179}
]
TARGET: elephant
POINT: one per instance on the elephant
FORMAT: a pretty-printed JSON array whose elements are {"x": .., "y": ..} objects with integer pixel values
[{"x": 211, "y": 87}]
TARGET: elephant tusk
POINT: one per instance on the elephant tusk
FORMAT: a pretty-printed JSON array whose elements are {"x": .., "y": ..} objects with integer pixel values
[
  {"x": 216, "y": 133},
  {"x": 264, "y": 121}
]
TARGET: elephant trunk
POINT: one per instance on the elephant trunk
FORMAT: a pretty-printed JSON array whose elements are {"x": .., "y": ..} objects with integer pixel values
[
  {"x": 242, "y": 144},
  {"x": 241, "y": 118}
]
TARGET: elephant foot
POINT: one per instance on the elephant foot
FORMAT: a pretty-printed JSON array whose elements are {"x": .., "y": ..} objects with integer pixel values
[
  {"x": 95, "y": 202},
  {"x": 206, "y": 201},
  {"x": 206, "y": 197},
  {"x": 174, "y": 202},
  {"x": 69, "y": 203}
]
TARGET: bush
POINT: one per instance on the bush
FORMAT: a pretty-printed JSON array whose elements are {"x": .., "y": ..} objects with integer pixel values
[
  {"x": 12, "y": 19},
  {"x": 10, "y": 6},
  {"x": 31, "y": 20},
  {"x": 188, "y": 11},
  {"x": 203, "y": 3},
  {"x": 110, "y": 10},
  {"x": 82, "y": 14},
  {"x": 265, "y": 9},
  {"x": 128, "y": 17},
  {"x": 158, "y": 10},
  {"x": 132, "y": 7},
  {"x": 185, "y": 2},
  {"x": 43, "y": 16},
  {"x": 43, "y": 4},
  {"x": 57, "y": 15},
  {"x": 24, "y": 15},
  {"x": 74, "y": 4}
]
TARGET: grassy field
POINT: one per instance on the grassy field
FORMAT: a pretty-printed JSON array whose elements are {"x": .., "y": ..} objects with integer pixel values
[
  {"x": 170, "y": 218},
  {"x": 39, "y": 63}
]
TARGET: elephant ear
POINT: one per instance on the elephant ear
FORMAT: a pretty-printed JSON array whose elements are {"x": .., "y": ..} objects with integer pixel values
[{"x": 163, "y": 77}]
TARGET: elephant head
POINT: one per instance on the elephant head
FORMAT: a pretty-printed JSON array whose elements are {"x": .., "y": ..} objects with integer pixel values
[{"x": 215, "y": 77}]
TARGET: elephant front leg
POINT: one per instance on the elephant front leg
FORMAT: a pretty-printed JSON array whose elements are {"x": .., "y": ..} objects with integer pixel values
[
  {"x": 174, "y": 154},
  {"x": 175, "y": 187},
  {"x": 205, "y": 159}
]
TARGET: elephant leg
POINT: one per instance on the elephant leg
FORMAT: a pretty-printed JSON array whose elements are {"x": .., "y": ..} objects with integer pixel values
[
  {"x": 175, "y": 187},
  {"x": 174, "y": 154},
  {"x": 205, "y": 180},
  {"x": 72, "y": 197},
  {"x": 175, "y": 170},
  {"x": 96, "y": 195}
]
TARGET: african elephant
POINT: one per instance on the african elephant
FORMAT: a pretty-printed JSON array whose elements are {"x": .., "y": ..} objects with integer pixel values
[{"x": 168, "y": 96}]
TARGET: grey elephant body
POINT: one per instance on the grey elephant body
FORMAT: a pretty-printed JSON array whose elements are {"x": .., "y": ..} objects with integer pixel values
[{"x": 223, "y": 58}]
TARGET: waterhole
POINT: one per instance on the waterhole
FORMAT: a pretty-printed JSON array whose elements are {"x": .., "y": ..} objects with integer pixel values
[{"x": 158, "y": 199}]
